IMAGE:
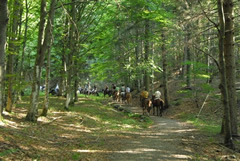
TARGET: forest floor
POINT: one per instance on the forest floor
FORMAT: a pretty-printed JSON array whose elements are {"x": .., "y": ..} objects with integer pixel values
[
  {"x": 169, "y": 139},
  {"x": 93, "y": 130}
]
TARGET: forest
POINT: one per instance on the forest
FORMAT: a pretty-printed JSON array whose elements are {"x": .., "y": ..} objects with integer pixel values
[{"x": 50, "y": 49}]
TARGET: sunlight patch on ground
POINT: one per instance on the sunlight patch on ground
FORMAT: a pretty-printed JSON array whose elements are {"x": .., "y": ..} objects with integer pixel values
[
  {"x": 8, "y": 123},
  {"x": 134, "y": 151},
  {"x": 185, "y": 130},
  {"x": 141, "y": 151},
  {"x": 2, "y": 123},
  {"x": 58, "y": 112},
  {"x": 125, "y": 126},
  {"x": 93, "y": 118},
  {"x": 47, "y": 148},
  {"x": 78, "y": 128},
  {"x": 180, "y": 156}
]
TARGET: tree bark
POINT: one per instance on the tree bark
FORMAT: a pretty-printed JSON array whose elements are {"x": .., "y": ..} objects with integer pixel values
[
  {"x": 21, "y": 71},
  {"x": 188, "y": 56},
  {"x": 33, "y": 109},
  {"x": 12, "y": 52},
  {"x": 146, "y": 55},
  {"x": 165, "y": 79},
  {"x": 3, "y": 26},
  {"x": 223, "y": 85},
  {"x": 70, "y": 64},
  {"x": 49, "y": 41},
  {"x": 230, "y": 63}
]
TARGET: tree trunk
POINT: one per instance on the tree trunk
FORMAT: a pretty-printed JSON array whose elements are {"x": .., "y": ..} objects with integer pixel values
[
  {"x": 137, "y": 80},
  {"x": 223, "y": 85},
  {"x": 3, "y": 26},
  {"x": 69, "y": 90},
  {"x": 146, "y": 55},
  {"x": 165, "y": 79},
  {"x": 12, "y": 53},
  {"x": 33, "y": 110},
  {"x": 230, "y": 62},
  {"x": 188, "y": 56},
  {"x": 49, "y": 40},
  {"x": 21, "y": 71}
]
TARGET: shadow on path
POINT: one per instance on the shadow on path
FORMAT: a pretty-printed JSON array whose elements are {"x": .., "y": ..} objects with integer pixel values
[{"x": 162, "y": 141}]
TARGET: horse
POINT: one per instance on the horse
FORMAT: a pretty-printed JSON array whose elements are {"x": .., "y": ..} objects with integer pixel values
[
  {"x": 123, "y": 96},
  {"x": 146, "y": 104},
  {"x": 116, "y": 96},
  {"x": 129, "y": 97},
  {"x": 107, "y": 92},
  {"x": 158, "y": 104}
]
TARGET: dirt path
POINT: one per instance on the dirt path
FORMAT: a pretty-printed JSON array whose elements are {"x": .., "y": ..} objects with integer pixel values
[{"x": 164, "y": 140}]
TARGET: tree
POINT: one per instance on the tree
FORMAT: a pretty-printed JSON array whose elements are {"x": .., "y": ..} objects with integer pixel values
[
  {"x": 165, "y": 75},
  {"x": 48, "y": 42},
  {"x": 230, "y": 63},
  {"x": 70, "y": 62},
  {"x": 33, "y": 110},
  {"x": 12, "y": 52},
  {"x": 223, "y": 86},
  {"x": 3, "y": 25}
]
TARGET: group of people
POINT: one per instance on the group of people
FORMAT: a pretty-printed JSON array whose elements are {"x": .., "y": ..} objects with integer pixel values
[
  {"x": 155, "y": 102},
  {"x": 122, "y": 93},
  {"x": 88, "y": 89}
]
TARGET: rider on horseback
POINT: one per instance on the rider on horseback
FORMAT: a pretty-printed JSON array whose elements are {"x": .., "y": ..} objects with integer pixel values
[{"x": 123, "y": 92}]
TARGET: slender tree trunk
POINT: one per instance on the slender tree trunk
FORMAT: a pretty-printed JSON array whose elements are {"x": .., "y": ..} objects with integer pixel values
[
  {"x": 70, "y": 63},
  {"x": 21, "y": 71},
  {"x": 137, "y": 81},
  {"x": 75, "y": 90},
  {"x": 12, "y": 53},
  {"x": 3, "y": 26},
  {"x": 33, "y": 110},
  {"x": 188, "y": 54},
  {"x": 146, "y": 55},
  {"x": 223, "y": 85},
  {"x": 230, "y": 62},
  {"x": 49, "y": 40},
  {"x": 165, "y": 79}
]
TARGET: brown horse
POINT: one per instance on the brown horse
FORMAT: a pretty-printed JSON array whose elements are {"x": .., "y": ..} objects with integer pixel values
[
  {"x": 158, "y": 104},
  {"x": 116, "y": 96},
  {"x": 146, "y": 104},
  {"x": 129, "y": 97}
]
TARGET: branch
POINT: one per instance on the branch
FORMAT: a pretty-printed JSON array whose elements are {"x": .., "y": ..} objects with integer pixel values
[
  {"x": 216, "y": 62},
  {"x": 203, "y": 104},
  {"x": 216, "y": 25},
  {"x": 77, "y": 2}
]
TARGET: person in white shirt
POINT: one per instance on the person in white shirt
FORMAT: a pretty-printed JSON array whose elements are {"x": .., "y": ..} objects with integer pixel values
[
  {"x": 157, "y": 95},
  {"x": 128, "y": 89}
]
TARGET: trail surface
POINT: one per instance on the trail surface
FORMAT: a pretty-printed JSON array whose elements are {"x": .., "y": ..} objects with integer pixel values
[{"x": 164, "y": 140}]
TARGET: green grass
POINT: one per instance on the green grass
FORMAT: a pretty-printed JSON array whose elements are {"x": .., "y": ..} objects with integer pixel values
[
  {"x": 8, "y": 152},
  {"x": 95, "y": 111},
  {"x": 101, "y": 115},
  {"x": 206, "y": 125}
]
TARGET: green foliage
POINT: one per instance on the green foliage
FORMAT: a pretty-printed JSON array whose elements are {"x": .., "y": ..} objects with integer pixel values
[
  {"x": 205, "y": 125},
  {"x": 76, "y": 156},
  {"x": 8, "y": 152}
]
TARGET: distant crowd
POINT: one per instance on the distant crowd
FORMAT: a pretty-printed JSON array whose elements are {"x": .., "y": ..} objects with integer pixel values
[{"x": 121, "y": 94}]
